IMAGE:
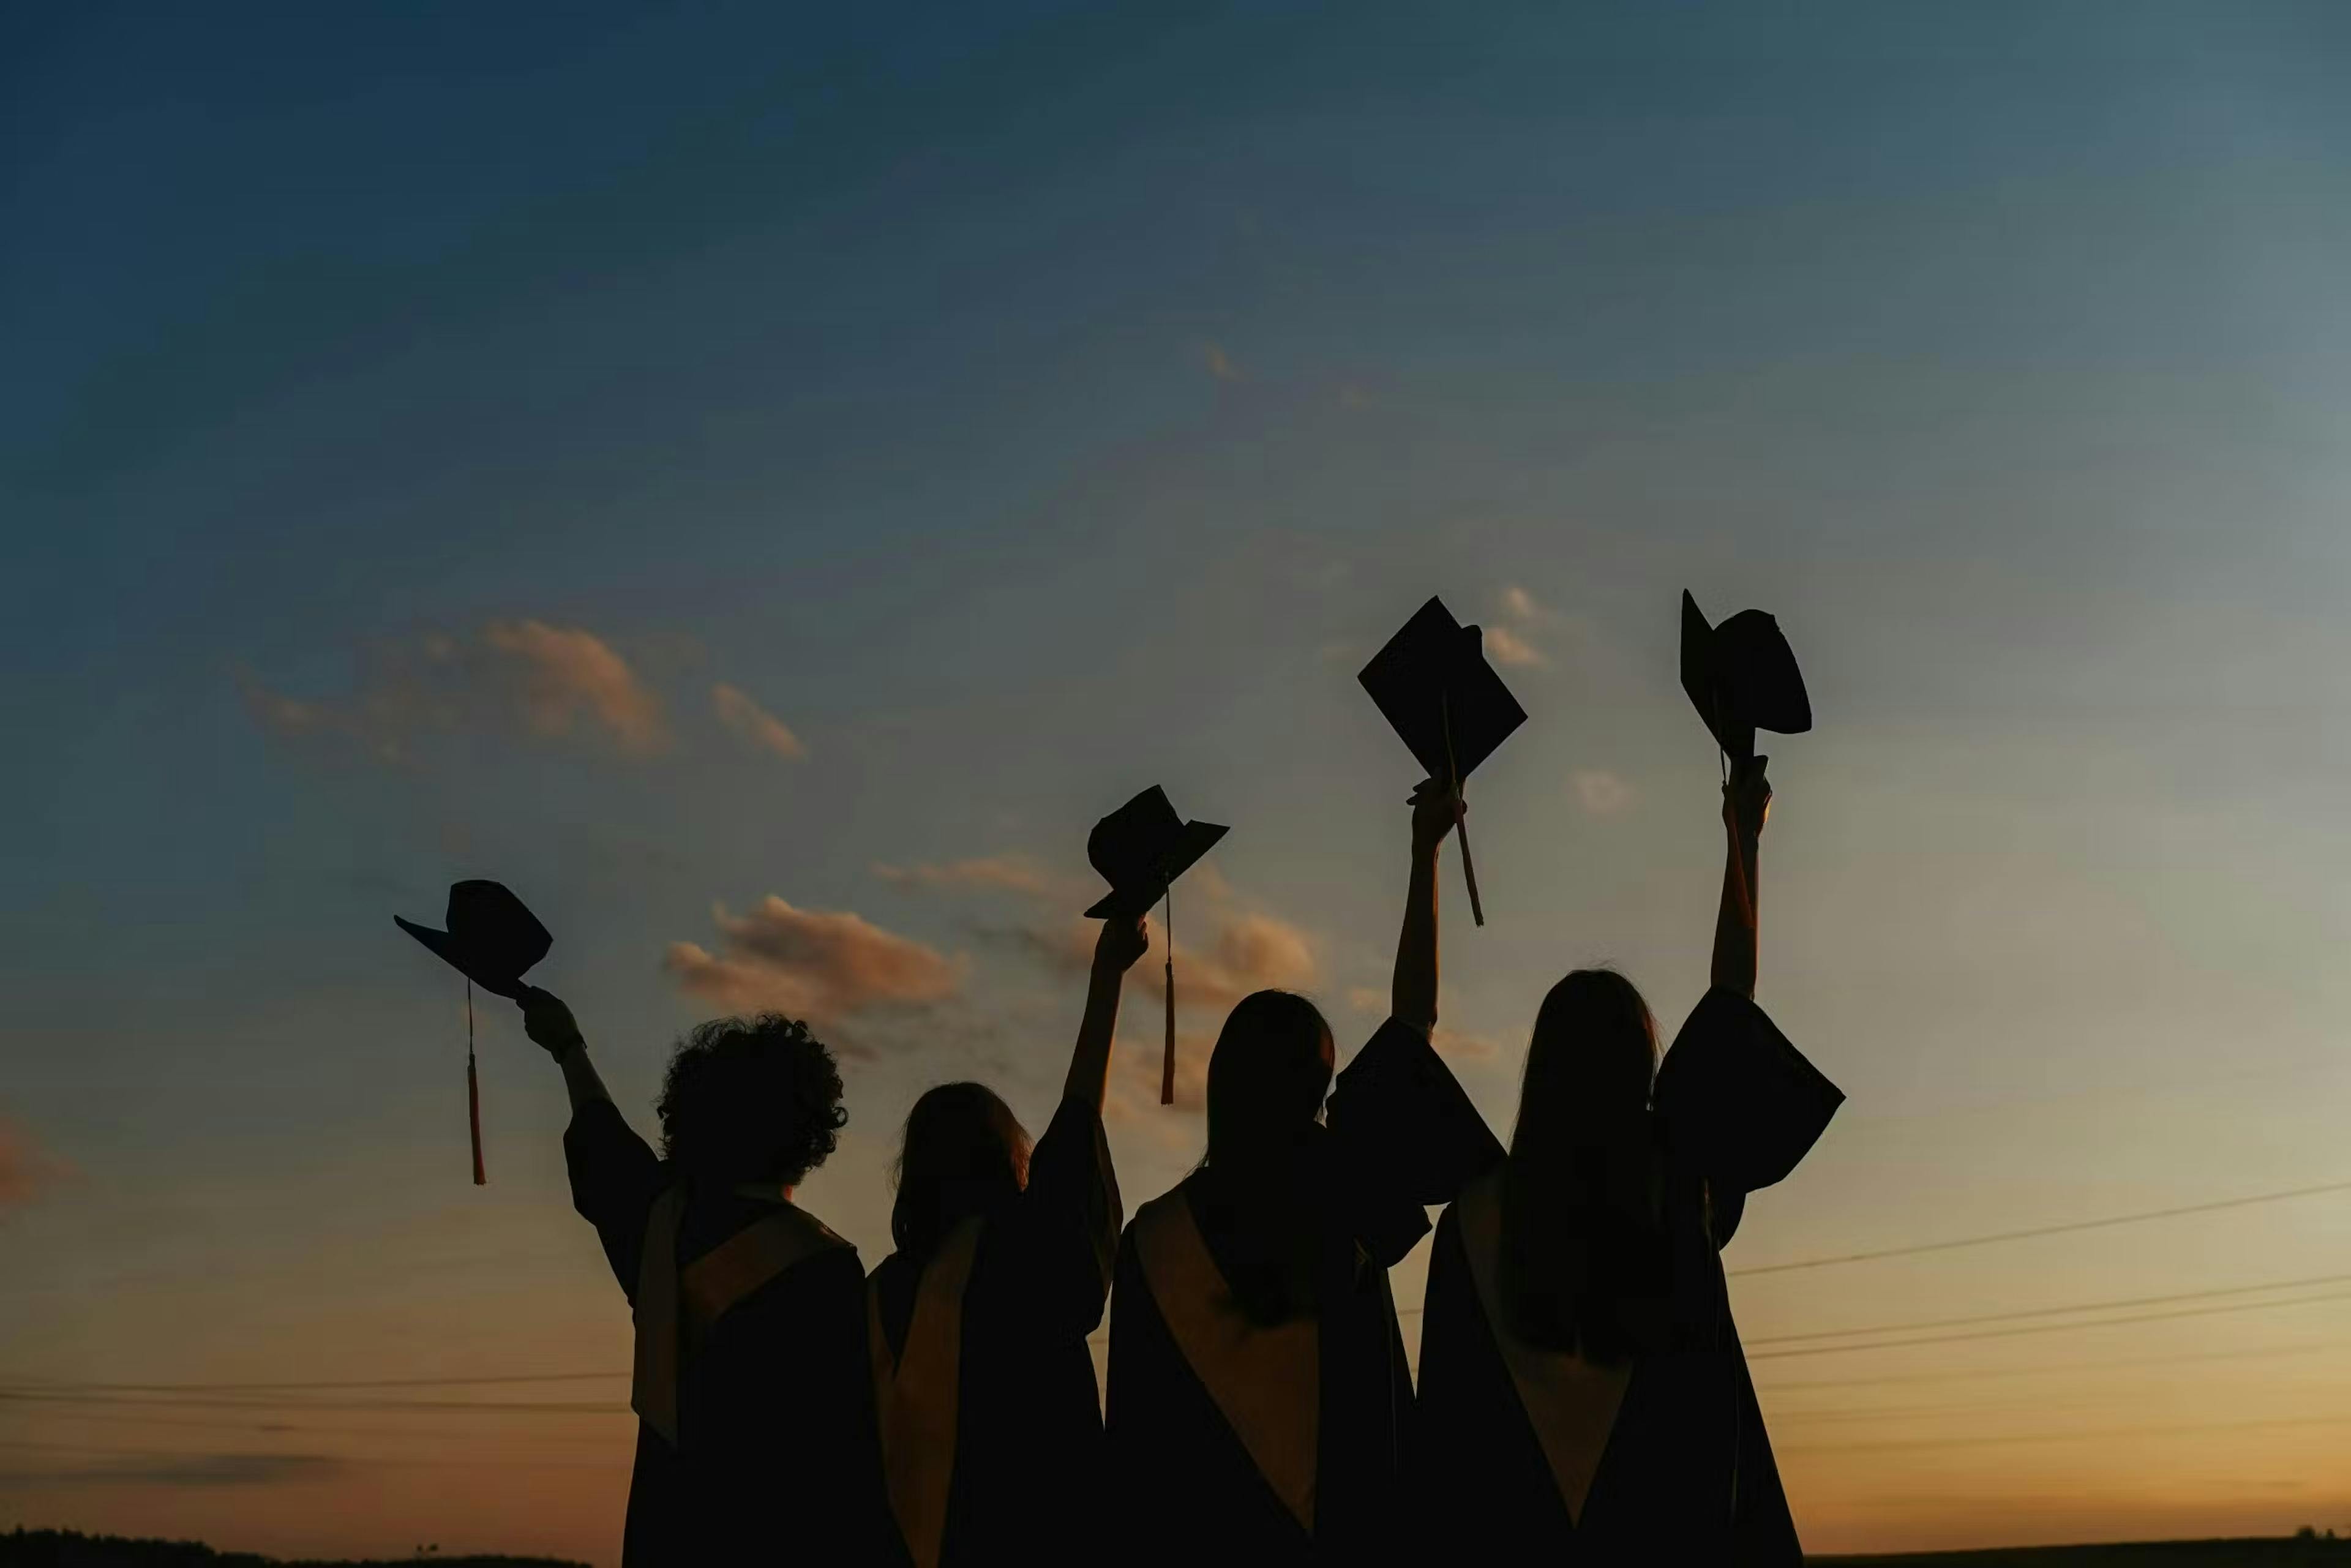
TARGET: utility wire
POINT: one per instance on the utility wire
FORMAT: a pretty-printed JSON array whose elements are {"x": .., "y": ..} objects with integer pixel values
[
  {"x": 2046, "y": 1328},
  {"x": 2103, "y": 1434},
  {"x": 41, "y": 1385},
  {"x": 2058, "y": 1311},
  {"x": 2061, "y": 1367},
  {"x": 2065, "y": 1228}
]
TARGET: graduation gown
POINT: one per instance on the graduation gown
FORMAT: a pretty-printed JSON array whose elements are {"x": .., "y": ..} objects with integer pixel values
[
  {"x": 1683, "y": 1470},
  {"x": 1245, "y": 1442},
  {"x": 991, "y": 1420},
  {"x": 755, "y": 1440}
]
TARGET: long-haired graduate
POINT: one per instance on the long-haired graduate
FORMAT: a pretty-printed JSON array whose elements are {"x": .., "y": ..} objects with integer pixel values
[
  {"x": 756, "y": 1436},
  {"x": 1259, "y": 1396},
  {"x": 991, "y": 1422},
  {"x": 1582, "y": 1393}
]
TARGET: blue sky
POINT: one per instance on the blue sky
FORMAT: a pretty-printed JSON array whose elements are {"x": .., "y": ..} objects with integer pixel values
[{"x": 1022, "y": 409}]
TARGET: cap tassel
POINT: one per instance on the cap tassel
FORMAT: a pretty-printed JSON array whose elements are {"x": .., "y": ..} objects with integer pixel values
[
  {"x": 473, "y": 1090},
  {"x": 1167, "y": 1057},
  {"x": 1460, "y": 818}
]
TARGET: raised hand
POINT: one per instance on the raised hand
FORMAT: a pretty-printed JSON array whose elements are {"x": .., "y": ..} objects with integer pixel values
[
  {"x": 1435, "y": 810},
  {"x": 1747, "y": 798},
  {"x": 1124, "y": 939},
  {"x": 548, "y": 1022}
]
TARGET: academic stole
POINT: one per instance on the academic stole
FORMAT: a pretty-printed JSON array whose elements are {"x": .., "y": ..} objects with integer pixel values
[
  {"x": 918, "y": 1398},
  {"x": 1570, "y": 1403},
  {"x": 672, "y": 1301},
  {"x": 1266, "y": 1381}
]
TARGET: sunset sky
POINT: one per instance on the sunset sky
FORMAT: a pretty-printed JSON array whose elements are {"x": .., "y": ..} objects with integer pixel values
[{"x": 761, "y": 480}]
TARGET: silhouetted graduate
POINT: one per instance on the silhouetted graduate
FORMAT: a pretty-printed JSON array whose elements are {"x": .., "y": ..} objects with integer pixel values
[
  {"x": 1260, "y": 1399},
  {"x": 1583, "y": 1396},
  {"x": 755, "y": 1440},
  {"x": 991, "y": 1421}
]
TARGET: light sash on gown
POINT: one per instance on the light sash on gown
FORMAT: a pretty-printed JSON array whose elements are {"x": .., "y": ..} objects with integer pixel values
[
  {"x": 1570, "y": 1403},
  {"x": 671, "y": 1300},
  {"x": 918, "y": 1398},
  {"x": 1265, "y": 1381}
]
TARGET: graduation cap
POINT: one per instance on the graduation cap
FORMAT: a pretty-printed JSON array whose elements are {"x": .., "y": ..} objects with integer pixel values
[
  {"x": 491, "y": 938},
  {"x": 1141, "y": 849},
  {"x": 1433, "y": 684},
  {"x": 1741, "y": 676}
]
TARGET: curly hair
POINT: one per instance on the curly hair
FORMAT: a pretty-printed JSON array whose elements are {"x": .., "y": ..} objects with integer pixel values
[{"x": 751, "y": 1099}]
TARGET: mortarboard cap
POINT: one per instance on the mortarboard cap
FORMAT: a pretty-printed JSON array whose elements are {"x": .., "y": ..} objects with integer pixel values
[
  {"x": 1432, "y": 678},
  {"x": 492, "y": 937},
  {"x": 1141, "y": 848},
  {"x": 1433, "y": 684},
  {"x": 1741, "y": 676}
]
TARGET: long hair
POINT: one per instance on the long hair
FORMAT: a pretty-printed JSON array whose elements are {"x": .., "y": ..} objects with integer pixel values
[
  {"x": 1584, "y": 1260},
  {"x": 1266, "y": 1077},
  {"x": 964, "y": 1153},
  {"x": 750, "y": 1099}
]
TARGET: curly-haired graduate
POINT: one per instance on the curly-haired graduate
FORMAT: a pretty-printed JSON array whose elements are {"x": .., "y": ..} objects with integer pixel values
[{"x": 756, "y": 1436}]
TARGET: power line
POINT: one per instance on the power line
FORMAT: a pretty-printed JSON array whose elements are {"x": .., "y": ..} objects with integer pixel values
[
  {"x": 2061, "y": 1367},
  {"x": 205, "y": 1402},
  {"x": 2093, "y": 1435},
  {"x": 47, "y": 1387},
  {"x": 2056, "y": 1312},
  {"x": 2046, "y": 1328},
  {"x": 2042, "y": 1230}
]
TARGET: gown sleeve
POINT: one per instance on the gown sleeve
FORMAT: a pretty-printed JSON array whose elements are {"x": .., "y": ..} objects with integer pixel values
[
  {"x": 1405, "y": 1137},
  {"x": 615, "y": 1178},
  {"x": 1741, "y": 1104},
  {"x": 1069, "y": 1217}
]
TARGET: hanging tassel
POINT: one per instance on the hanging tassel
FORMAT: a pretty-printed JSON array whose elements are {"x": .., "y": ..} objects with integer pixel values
[
  {"x": 473, "y": 1090},
  {"x": 1460, "y": 821},
  {"x": 1168, "y": 1057}
]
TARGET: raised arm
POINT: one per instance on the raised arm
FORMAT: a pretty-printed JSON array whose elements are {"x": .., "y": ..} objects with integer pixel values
[
  {"x": 1746, "y": 803},
  {"x": 1121, "y": 942},
  {"x": 548, "y": 1022},
  {"x": 1411, "y": 996}
]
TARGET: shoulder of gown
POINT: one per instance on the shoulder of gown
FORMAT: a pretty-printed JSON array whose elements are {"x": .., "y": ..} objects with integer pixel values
[
  {"x": 1405, "y": 1136},
  {"x": 1738, "y": 1105}
]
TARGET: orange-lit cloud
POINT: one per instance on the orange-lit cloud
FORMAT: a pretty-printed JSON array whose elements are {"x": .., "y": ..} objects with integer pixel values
[
  {"x": 738, "y": 712},
  {"x": 820, "y": 965},
  {"x": 1220, "y": 364},
  {"x": 1601, "y": 792},
  {"x": 1519, "y": 604},
  {"x": 568, "y": 675},
  {"x": 1001, "y": 873},
  {"x": 547, "y": 681},
  {"x": 1453, "y": 1042},
  {"x": 1509, "y": 648}
]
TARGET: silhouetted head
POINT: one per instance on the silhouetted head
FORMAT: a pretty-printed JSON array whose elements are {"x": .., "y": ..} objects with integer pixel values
[
  {"x": 1582, "y": 1248},
  {"x": 1591, "y": 1063},
  {"x": 750, "y": 1099},
  {"x": 1267, "y": 1078},
  {"x": 965, "y": 1153}
]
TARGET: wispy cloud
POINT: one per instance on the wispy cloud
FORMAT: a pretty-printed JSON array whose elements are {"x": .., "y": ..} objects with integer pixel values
[
  {"x": 1220, "y": 364},
  {"x": 195, "y": 1471},
  {"x": 1509, "y": 648},
  {"x": 820, "y": 965},
  {"x": 738, "y": 712},
  {"x": 1457, "y": 1043},
  {"x": 526, "y": 676},
  {"x": 1001, "y": 874},
  {"x": 568, "y": 675},
  {"x": 1601, "y": 792},
  {"x": 26, "y": 1171}
]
